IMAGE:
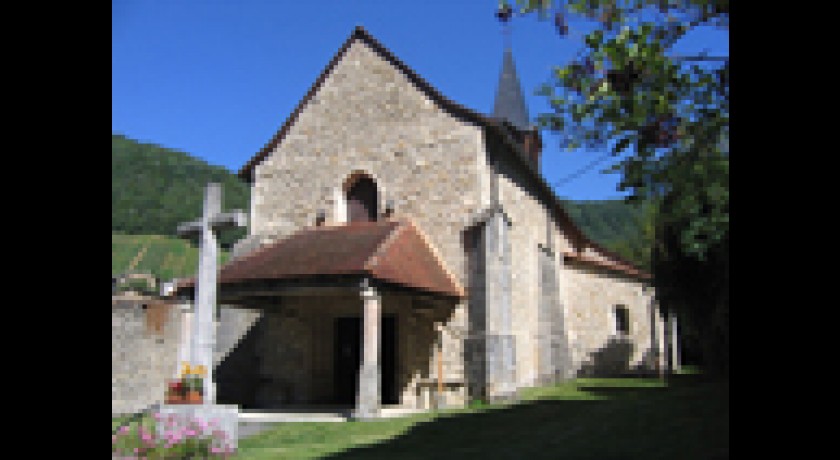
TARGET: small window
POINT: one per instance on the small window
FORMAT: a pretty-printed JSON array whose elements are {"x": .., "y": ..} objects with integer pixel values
[{"x": 622, "y": 320}]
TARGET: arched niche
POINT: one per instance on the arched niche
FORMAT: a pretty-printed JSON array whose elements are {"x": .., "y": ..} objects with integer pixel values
[{"x": 361, "y": 198}]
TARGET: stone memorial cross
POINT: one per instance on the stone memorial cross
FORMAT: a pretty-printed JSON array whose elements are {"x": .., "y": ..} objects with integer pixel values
[{"x": 202, "y": 340}]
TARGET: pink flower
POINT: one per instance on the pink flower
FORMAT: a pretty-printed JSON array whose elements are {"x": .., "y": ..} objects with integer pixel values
[{"x": 124, "y": 429}]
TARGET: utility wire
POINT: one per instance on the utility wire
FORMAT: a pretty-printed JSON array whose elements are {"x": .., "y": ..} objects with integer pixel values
[{"x": 581, "y": 171}]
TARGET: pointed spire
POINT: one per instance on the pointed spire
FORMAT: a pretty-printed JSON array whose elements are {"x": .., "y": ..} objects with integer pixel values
[{"x": 509, "y": 103}]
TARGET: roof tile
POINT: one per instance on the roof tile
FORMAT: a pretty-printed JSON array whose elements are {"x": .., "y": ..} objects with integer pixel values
[{"x": 390, "y": 251}]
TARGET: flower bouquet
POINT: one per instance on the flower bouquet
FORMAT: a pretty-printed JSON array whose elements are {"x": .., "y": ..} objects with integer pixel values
[
  {"x": 174, "y": 392},
  {"x": 188, "y": 388}
]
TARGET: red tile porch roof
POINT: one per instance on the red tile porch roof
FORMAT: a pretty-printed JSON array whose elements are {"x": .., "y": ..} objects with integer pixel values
[{"x": 391, "y": 251}]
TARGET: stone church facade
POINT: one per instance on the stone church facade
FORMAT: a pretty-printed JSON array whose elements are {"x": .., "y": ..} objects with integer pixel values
[{"x": 405, "y": 250}]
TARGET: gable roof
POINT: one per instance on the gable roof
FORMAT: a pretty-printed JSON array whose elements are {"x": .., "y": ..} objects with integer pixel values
[
  {"x": 506, "y": 131},
  {"x": 394, "y": 252},
  {"x": 360, "y": 34},
  {"x": 610, "y": 264}
]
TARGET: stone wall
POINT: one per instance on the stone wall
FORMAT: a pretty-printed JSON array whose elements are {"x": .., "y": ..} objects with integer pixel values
[
  {"x": 583, "y": 338},
  {"x": 141, "y": 358},
  {"x": 233, "y": 324},
  {"x": 596, "y": 346},
  {"x": 236, "y": 338},
  {"x": 368, "y": 117},
  {"x": 531, "y": 228}
]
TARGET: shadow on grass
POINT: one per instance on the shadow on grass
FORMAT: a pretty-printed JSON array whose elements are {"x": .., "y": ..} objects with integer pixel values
[{"x": 688, "y": 419}]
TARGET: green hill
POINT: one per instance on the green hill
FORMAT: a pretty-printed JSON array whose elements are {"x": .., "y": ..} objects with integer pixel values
[
  {"x": 619, "y": 226},
  {"x": 153, "y": 189},
  {"x": 605, "y": 221}
]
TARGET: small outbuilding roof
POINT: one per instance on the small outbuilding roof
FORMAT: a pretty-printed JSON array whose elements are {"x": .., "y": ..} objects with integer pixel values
[{"x": 609, "y": 264}]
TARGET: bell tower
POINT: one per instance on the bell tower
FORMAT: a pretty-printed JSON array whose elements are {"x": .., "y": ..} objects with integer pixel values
[{"x": 509, "y": 102}]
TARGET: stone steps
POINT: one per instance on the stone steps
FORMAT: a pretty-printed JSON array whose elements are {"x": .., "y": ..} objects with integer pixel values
[{"x": 294, "y": 416}]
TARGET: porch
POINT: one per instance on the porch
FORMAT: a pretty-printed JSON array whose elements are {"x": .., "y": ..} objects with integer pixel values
[{"x": 349, "y": 321}]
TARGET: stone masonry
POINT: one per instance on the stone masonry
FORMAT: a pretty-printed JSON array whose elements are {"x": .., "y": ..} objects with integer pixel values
[
  {"x": 596, "y": 346},
  {"x": 141, "y": 358}
]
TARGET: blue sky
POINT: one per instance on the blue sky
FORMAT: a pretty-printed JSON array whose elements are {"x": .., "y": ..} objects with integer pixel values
[{"x": 217, "y": 78}]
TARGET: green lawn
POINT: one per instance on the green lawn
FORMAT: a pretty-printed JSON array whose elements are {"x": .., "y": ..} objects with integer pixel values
[{"x": 582, "y": 419}]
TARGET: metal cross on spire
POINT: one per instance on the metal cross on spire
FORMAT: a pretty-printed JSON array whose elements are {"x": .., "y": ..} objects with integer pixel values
[{"x": 504, "y": 14}]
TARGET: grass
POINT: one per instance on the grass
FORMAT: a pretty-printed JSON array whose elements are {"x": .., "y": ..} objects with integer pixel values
[
  {"x": 633, "y": 418},
  {"x": 166, "y": 257}
]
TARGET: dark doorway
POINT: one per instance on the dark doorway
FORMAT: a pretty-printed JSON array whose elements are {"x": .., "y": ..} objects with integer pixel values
[
  {"x": 348, "y": 359},
  {"x": 361, "y": 201},
  {"x": 388, "y": 356}
]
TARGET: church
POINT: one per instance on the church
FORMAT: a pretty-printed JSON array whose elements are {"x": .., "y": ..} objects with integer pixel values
[{"x": 405, "y": 251}]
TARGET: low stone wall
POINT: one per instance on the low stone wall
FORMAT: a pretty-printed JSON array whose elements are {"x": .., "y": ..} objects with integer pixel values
[{"x": 145, "y": 335}]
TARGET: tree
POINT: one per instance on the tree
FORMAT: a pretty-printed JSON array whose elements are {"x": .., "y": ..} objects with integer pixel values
[{"x": 665, "y": 119}]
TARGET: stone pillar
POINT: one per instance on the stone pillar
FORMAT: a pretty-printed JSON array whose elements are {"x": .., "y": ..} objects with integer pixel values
[
  {"x": 252, "y": 223},
  {"x": 204, "y": 317},
  {"x": 654, "y": 332},
  {"x": 204, "y": 325},
  {"x": 660, "y": 334},
  {"x": 500, "y": 342},
  {"x": 666, "y": 342},
  {"x": 553, "y": 352},
  {"x": 674, "y": 339},
  {"x": 369, "y": 397},
  {"x": 439, "y": 397},
  {"x": 545, "y": 314},
  {"x": 475, "y": 354}
]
